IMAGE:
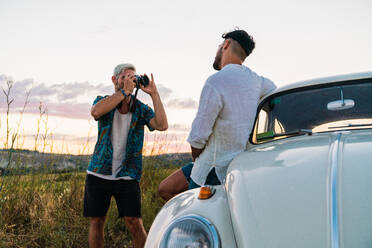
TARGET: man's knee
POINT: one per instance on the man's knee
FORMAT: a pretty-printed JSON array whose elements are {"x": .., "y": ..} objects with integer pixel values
[
  {"x": 98, "y": 222},
  {"x": 133, "y": 223},
  {"x": 162, "y": 190}
]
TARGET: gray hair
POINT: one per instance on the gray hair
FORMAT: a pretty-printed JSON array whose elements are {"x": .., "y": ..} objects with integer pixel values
[{"x": 122, "y": 67}]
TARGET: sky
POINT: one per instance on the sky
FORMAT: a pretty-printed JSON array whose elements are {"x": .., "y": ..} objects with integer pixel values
[{"x": 65, "y": 52}]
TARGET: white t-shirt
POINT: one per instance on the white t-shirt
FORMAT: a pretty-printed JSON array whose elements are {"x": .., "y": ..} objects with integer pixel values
[
  {"x": 119, "y": 136},
  {"x": 225, "y": 118}
]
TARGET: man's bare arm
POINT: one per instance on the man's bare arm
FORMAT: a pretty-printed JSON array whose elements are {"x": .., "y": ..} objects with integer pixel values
[
  {"x": 106, "y": 105},
  {"x": 159, "y": 122}
]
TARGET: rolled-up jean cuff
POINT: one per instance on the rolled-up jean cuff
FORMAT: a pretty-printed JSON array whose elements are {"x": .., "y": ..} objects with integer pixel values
[
  {"x": 187, "y": 171},
  {"x": 212, "y": 179},
  {"x": 193, "y": 185}
]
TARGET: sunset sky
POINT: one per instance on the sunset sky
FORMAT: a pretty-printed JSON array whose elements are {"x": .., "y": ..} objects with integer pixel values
[{"x": 65, "y": 52}]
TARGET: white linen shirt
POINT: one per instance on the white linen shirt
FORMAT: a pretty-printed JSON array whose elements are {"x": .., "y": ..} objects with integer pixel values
[{"x": 225, "y": 118}]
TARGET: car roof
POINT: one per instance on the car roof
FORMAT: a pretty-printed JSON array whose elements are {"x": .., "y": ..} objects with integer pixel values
[{"x": 319, "y": 81}]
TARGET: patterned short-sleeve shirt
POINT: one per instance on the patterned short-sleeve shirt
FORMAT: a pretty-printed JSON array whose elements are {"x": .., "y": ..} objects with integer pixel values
[{"x": 101, "y": 161}]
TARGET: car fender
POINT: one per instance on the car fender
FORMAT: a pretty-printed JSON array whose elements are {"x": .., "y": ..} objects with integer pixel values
[{"x": 215, "y": 209}]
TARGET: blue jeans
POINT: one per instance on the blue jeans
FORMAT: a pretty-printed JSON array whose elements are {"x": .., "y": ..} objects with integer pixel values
[{"x": 212, "y": 178}]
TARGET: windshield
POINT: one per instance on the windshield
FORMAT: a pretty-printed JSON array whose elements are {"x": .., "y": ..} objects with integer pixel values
[{"x": 337, "y": 107}]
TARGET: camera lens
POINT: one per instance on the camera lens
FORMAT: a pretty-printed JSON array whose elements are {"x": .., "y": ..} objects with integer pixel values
[{"x": 144, "y": 80}]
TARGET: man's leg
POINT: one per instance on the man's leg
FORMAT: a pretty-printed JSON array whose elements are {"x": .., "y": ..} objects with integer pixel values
[
  {"x": 97, "y": 197},
  {"x": 176, "y": 183},
  {"x": 173, "y": 185},
  {"x": 96, "y": 232},
  {"x": 135, "y": 227},
  {"x": 127, "y": 194}
]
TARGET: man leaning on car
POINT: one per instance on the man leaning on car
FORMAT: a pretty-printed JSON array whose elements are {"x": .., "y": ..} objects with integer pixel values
[{"x": 225, "y": 117}]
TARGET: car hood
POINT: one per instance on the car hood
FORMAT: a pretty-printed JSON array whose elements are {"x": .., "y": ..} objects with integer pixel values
[{"x": 304, "y": 191}]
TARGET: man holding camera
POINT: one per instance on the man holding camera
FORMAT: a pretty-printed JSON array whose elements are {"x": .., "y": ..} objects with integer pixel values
[
  {"x": 225, "y": 117},
  {"x": 116, "y": 165}
]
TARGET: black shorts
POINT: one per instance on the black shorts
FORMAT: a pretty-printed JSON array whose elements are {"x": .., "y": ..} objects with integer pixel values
[{"x": 98, "y": 192}]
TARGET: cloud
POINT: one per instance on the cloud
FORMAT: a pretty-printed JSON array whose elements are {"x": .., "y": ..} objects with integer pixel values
[
  {"x": 57, "y": 92},
  {"x": 164, "y": 91},
  {"x": 71, "y": 100},
  {"x": 68, "y": 92}
]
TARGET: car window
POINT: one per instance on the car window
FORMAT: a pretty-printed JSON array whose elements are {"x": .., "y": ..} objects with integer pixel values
[
  {"x": 262, "y": 121},
  {"x": 321, "y": 109}
]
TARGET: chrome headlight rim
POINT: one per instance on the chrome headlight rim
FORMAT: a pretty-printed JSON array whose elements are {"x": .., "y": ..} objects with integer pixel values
[{"x": 199, "y": 219}]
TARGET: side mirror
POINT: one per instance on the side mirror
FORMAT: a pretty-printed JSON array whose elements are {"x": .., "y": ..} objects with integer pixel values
[{"x": 341, "y": 105}]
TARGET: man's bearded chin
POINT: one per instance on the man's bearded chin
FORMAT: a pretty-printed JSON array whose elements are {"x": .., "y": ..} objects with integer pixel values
[{"x": 217, "y": 61}]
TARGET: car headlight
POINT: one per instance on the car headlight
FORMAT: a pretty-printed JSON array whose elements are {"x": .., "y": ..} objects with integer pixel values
[{"x": 190, "y": 231}]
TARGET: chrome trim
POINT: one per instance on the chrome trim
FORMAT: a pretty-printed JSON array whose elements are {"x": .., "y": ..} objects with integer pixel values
[
  {"x": 335, "y": 234},
  {"x": 200, "y": 219}
]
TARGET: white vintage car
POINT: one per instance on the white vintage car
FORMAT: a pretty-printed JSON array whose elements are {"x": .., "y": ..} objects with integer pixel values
[{"x": 305, "y": 179}]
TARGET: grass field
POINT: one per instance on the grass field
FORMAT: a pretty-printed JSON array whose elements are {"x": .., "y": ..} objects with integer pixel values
[{"x": 45, "y": 210}]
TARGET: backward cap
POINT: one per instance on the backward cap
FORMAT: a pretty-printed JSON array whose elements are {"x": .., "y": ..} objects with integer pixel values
[{"x": 243, "y": 38}]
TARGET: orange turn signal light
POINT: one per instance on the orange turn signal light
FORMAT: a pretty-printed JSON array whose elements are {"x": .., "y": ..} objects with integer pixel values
[{"x": 206, "y": 192}]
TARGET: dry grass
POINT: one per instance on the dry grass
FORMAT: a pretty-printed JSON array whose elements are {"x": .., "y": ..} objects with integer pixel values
[{"x": 45, "y": 210}]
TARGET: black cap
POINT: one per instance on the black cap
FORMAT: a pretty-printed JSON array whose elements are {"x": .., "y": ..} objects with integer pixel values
[{"x": 243, "y": 38}]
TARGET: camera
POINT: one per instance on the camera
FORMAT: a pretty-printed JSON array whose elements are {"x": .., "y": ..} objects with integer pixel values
[{"x": 144, "y": 80}]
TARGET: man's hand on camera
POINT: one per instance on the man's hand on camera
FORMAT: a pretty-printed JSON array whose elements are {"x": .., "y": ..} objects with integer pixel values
[
  {"x": 150, "y": 88},
  {"x": 129, "y": 84}
]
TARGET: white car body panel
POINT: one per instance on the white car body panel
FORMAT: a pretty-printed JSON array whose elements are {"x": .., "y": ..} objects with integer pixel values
[{"x": 287, "y": 184}]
